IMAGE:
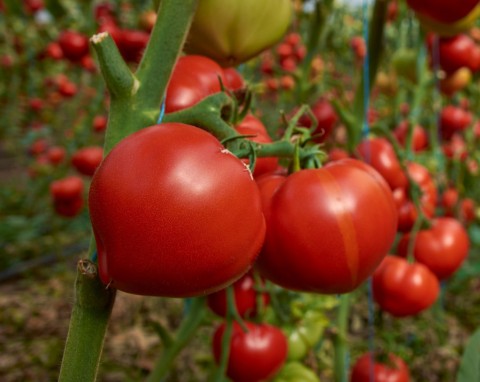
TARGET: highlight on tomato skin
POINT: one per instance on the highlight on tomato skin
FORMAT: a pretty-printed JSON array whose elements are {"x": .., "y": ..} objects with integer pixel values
[
  {"x": 328, "y": 228},
  {"x": 388, "y": 368},
  {"x": 173, "y": 236}
]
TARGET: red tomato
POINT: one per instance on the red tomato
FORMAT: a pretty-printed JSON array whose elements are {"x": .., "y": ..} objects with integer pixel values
[
  {"x": 56, "y": 154},
  {"x": 67, "y": 89},
  {"x": 328, "y": 228},
  {"x": 453, "y": 120},
  {"x": 32, "y": 6},
  {"x": 53, "y": 51},
  {"x": 444, "y": 11},
  {"x": 449, "y": 201},
  {"x": 455, "y": 52},
  {"x": 165, "y": 206},
  {"x": 132, "y": 43},
  {"x": 326, "y": 118},
  {"x": 74, "y": 45},
  {"x": 245, "y": 298},
  {"x": 402, "y": 288},
  {"x": 394, "y": 370},
  {"x": 407, "y": 213},
  {"x": 379, "y": 153},
  {"x": 87, "y": 159},
  {"x": 456, "y": 147},
  {"x": 100, "y": 123},
  {"x": 67, "y": 195},
  {"x": 419, "y": 138},
  {"x": 251, "y": 125},
  {"x": 443, "y": 247},
  {"x": 233, "y": 79},
  {"x": 193, "y": 79},
  {"x": 255, "y": 355}
]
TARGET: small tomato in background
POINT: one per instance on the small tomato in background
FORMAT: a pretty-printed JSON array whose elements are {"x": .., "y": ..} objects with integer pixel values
[
  {"x": 87, "y": 159},
  {"x": 402, "y": 288},
  {"x": 254, "y": 356},
  {"x": 245, "y": 298},
  {"x": 392, "y": 369},
  {"x": 74, "y": 45},
  {"x": 67, "y": 195}
]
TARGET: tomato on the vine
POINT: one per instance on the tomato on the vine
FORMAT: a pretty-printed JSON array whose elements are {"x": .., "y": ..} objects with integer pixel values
[
  {"x": 234, "y": 31},
  {"x": 443, "y": 247},
  {"x": 67, "y": 195},
  {"x": 245, "y": 296},
  {"x": 251, "y": 125},
  {"x": 403, "y": 289},
  {"x": 165, "y": 206},
  {"x": 327, "y": 228},
  {"x": 74, "y": 45},
  {"x": 87, "y": 159},
  {"x": 255, "y": 355},
  {"x": 392, "y": 369}
]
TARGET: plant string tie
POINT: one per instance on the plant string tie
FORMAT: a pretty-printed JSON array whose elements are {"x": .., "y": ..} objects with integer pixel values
[{"x": 162, "y": 111}]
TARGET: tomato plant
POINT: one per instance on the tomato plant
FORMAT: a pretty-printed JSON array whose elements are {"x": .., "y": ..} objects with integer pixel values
[
  {"x": 175, "y": 183},
  {"x": 255, "y": 355},
  {"x": 323, "y": 232}
]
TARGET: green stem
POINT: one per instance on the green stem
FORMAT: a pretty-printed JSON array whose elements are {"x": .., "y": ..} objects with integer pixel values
[
  {"x": 90, "y": 315},
  {"x": 341, "y": 345},
  {"x": 185, "y": 333}
]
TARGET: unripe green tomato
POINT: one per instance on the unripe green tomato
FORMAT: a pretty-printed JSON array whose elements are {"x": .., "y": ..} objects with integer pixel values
[
  {"x": 234, "y": 31},
  {"x": 297, "y": 346},
  {"x": 296, "y": 372},
  {"x": 312, "y": 327},
  {"x": 404, "y": 62}
]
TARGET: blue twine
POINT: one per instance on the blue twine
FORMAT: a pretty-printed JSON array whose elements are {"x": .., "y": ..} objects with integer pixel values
[
  {"x": 95, "y": 256},
  {"x": 162, "y": 111}
]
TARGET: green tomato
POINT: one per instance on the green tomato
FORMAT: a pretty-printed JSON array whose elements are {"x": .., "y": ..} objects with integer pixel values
[
  {"x": 313, "y": 325},
  {"x": 297, "y": 346},
  {"x": 404, "y": 62},
  {"x": 233, "y": 31},
  {"x": 295, "y": 372}
]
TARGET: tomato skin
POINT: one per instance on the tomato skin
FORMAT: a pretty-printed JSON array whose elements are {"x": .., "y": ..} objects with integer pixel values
[
  {"x": 233, "y": 31},
  {"x": 233, "y": 79},
  {"x": 443, "y": 247},
  {"x": 251, "y": 125},
  {"x": 193, "y": 78},
  {"x": 87, "y": 159},
  {"x": 419, "y": 138},
  {"x": 245, "y": 298},
  {"x": 326, "y": 118},
  {"x": 379, "y": 153},
  {"x": 181, "y": 196},
  {"x": 256, "y": 355},
  {"x": 67, "y": 195},
  {"x": 396, "y": 372},
  {"x": 328, "y": 228},
  {"x": 455, "y": 52},
  {"x": 403, "y": 289},
  {"x": 453, "y": 120}
]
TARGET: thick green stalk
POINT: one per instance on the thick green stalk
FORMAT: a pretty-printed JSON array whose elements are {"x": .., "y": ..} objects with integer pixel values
[
  {"x": 341, "y": 344},
  {"x": 90, "y": 314},
  {"x": 185, "y": 333},
  {"x": 134, "y": 105}
]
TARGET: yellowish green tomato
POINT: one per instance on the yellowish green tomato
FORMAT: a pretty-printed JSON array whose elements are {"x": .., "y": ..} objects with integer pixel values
[
  {"x": 296, "y": 372},
  {"x": 234, "y": 31}
]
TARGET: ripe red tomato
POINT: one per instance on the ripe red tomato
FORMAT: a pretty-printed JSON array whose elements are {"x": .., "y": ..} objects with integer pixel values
[
  {"x": 328, "y": 228},
  {"x": 56, "y": 154},
  {"x": 132, "y": 43},
  {"x": 219, "y": 29},
  {"x": 233, "y": 79},
  {"x": 256, "y": 355},
  {"x": 443, "y": 247},
  {"x": 245, "y": 298},
  {"x": 454, "y": 119},
  {"x": 251, "y": 125},
  {"x": 407, "y": 213},
  {"x": 379, "y": 153},
  {"x": 455, "y": 52},
  {"x": 67, "y": 195},
  {"x": 193, "y": 78},
  {"x": 87, "y": 159},
  {"x": 455, "y": 147},
  {"x": 393, "y": 370},
  {"x": 419, "y": 138},
  {"x": 74, "y": 45},
  {"x": 326, "y": 118},
  {"x": 444, "y": 11},
  {"x": 165, "y": 206},
  {"x": 402, "y": 288},
  {"x": 100, "y": 123}
]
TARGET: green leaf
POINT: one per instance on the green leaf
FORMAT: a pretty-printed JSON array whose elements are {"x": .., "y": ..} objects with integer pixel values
[{"x": 470, "y": 364}]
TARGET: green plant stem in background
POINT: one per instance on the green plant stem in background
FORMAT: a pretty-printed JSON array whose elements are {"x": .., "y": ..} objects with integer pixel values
[
  {"x": 134, "y": 105},
  {"x": 341, "y": 344},
  {"x": 90, "y": 314},
  {"x": 185, "y": 333}
]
